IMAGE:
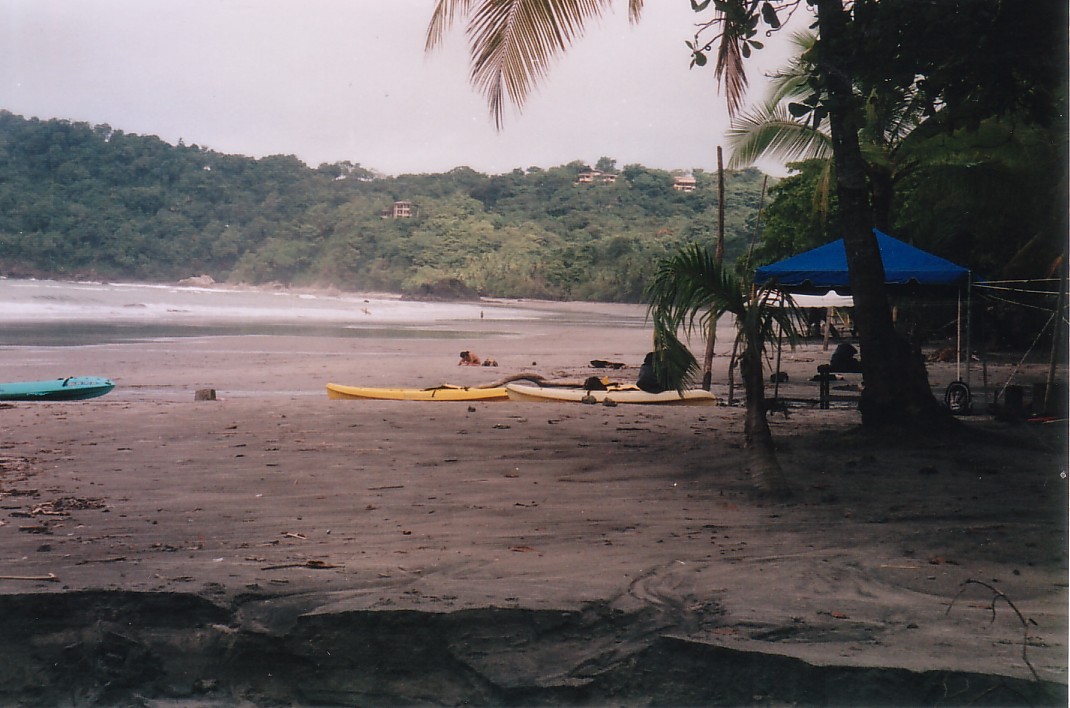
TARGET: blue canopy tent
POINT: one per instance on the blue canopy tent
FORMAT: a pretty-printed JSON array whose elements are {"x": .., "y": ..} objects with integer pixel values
[{"x": 825, "y": 268}]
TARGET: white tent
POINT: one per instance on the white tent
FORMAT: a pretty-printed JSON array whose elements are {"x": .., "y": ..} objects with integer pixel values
[
  {"x": 829, "y": 299},
  {"x": 830, "y": 302}
]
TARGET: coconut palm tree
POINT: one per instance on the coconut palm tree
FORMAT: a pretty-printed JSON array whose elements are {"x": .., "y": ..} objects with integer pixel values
[{"x": 691, "y": 289}]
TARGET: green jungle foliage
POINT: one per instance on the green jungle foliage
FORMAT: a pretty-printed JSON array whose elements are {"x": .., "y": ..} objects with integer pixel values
[
  {"x": 993, "y": 199},
  {"x": 82, "y": 201},
  {"x": 78, "y": 200}
]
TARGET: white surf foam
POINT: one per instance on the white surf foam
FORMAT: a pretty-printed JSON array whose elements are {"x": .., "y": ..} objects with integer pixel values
[{"x": 49, "y": 301}]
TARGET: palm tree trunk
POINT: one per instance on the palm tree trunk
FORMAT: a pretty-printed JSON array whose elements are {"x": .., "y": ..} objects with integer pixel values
[
  {"x": 896, "y": 383},
  {"x": 765, "y": 468}
]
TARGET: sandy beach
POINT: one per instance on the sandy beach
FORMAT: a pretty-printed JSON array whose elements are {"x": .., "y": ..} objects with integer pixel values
[{"x": 273, "y": 547}]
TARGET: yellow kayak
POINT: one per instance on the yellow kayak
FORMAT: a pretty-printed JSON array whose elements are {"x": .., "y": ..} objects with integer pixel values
[
  {"x": 445, "y": 392},
  {"x": 630, "y": 394}
]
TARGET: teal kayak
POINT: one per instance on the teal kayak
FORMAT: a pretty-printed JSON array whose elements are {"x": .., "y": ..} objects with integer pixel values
[{"x": 72, "y": 388}]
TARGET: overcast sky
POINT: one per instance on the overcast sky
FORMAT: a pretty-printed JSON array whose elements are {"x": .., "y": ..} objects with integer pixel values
[{"x": 334, "y": 80}]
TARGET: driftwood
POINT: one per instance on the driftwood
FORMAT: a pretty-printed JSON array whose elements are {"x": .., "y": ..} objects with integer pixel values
[
  {"x": 117, "y": 559},
  {"x": 537, "y": 379},
  {"x": 313, "y": 564},
  {"x": 996, "y": 596},
  {"x": 50, "y": 578}
]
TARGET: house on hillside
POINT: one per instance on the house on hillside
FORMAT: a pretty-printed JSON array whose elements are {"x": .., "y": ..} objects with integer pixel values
[
  {"x": 595, "y": 177},
  {"x": 400, "y": 210},
  {"x": 684, "y": 183}
]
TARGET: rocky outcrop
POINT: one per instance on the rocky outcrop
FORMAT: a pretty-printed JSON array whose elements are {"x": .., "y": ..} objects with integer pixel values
[
  {"x": 449, "y": 290},
  {"x": 198, "y": 281}
]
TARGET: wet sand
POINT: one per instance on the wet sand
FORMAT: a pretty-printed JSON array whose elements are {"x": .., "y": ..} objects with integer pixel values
[{"x": 162, "y": 548}]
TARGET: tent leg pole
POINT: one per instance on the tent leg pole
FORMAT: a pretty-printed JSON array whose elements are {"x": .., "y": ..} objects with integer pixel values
[
  {"x": 969, "y": 323},
  {"x": 828, "y": 326},
  {"x": 984, "y": 380},
  {"x": 958, "y": 337}
]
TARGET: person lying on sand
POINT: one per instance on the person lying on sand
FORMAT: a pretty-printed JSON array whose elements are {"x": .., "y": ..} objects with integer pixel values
[{"x": 469, "y": 359}]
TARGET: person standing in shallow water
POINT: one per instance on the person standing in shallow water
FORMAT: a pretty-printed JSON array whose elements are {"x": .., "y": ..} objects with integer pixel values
[{"x": 647, "y": 381}]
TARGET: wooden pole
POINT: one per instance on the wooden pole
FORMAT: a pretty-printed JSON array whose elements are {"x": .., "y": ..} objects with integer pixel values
[
  {"x": 719, "y": 254},
  {"x": 1056, "y": 336},
  {"x": 757, "y": 222},
  {"x": 707, "y": 362},
  {"x": 776, "y": 375},
  {"x": 732, "y": 374},
  {"x": 711, "y": 336}
]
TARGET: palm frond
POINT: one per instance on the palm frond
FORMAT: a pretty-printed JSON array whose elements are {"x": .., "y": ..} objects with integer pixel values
[
  {"x": 788, "y": 86},
  {"x": 513, "y": 42},
  {"x": 770, "y": 131},
  {"x": 674, "y": 365},
  {"x": 688, "y": 289},
  {"x": 905, "y": 110},
  {"x": 730, "y": 71},
  {"x": 772, "y": 316},
  {"x": 442, "y": 18},
  {"x": 793, "y": 80},
  {"x": 635, "y": 10}
]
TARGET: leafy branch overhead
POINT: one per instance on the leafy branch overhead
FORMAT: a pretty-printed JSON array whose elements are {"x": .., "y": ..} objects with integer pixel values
[
  {"x": 735, "y": 26},
  {"x": 512, "y": 43}
]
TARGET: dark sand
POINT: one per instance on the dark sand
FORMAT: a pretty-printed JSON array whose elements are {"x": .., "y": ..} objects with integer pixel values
[{"x": 274, "y": 547}]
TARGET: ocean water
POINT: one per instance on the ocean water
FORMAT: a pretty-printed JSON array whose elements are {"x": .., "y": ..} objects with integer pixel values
[{"x": 57, "y": 313}]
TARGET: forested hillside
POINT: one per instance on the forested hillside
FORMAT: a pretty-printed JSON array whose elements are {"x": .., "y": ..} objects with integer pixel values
[
  {"x": 78, "y": 200},
  {"x": 84, "y": 201}
]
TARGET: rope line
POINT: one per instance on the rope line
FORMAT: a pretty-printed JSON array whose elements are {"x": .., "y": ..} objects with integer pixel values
[{"x": 1018, "y": 366}]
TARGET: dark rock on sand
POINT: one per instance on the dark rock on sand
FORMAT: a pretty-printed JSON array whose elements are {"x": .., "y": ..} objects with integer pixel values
[{"x": 449, "y": 290}]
